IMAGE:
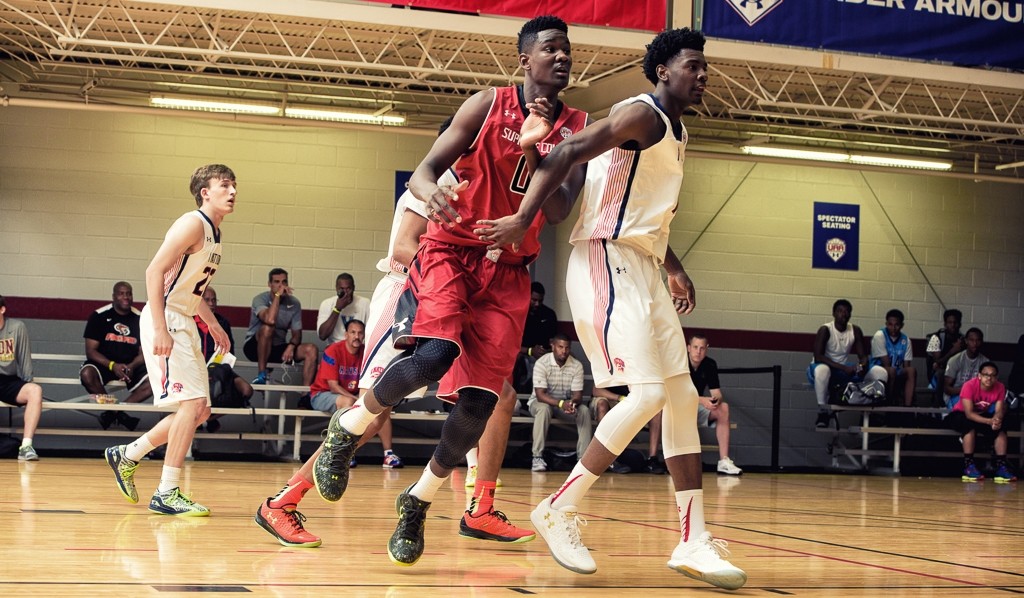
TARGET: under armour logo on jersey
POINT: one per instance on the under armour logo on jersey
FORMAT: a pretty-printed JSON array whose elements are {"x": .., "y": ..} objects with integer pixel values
[
  {"x": 209, "y": 239},
  {"x": 400, "y": 326},
  {"x": 619, "y": 270},
  {"x": 510, "y": 114}
]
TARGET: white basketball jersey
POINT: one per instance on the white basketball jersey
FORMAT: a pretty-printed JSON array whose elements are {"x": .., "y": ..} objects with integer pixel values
[
  {"x": 408, "y": 201},
  {"x": 185, "y": 282},
  {"x": 631, "y": 196}
]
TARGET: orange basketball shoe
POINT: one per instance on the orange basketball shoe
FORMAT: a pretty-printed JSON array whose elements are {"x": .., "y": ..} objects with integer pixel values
[
  {"x": 493, "y": 525},
  {"x": 285, "y": 525}
]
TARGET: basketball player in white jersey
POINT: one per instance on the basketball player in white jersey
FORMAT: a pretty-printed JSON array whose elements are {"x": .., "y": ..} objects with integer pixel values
[
  {"x": 625, "y": 318},
  {"x": 175, "y": 280}
]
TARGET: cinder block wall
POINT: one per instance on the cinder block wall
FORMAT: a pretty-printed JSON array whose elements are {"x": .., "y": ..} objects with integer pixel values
[{"x": 85, "y": 199}]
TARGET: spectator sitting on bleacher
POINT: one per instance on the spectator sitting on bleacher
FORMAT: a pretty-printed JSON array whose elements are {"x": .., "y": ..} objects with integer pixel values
[
  {"x": 942, "y": 345},
  {"x": 336, "y": 312},
  {"x": 892, "y": 358},
  {"x": 274, "y": 314},
  {"x": 336, "y": 386},
  {"x": 982, "y": 410},
  {"x": 606, "y": 398},
  {"x": 113, "y": 352},
  {"x": 558, "y": 392},
  {"x": 963, "y": 366},
  {"x": 833, "y": 344},
  {"x": 704, "y": 375},
  {"x": 234, "y": 391},
  {"x": 538, "y": 330},
  {"x": 16, "y": 386}
]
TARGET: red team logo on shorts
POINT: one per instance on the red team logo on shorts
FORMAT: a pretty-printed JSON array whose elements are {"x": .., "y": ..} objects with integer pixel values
[
  {"x": 619, "y": 364},
  {"x": 376, "y": 372},
  {"x": 177, "y": 387}
]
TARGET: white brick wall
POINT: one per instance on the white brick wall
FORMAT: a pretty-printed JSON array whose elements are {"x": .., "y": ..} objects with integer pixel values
[
  {"x": 86, "y": 197},
  {"x": 752, "y": 266}
]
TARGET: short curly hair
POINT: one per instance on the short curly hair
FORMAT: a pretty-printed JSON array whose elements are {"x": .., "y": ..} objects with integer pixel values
[
  {"x": 528, "y": 34},
  {"x": 666, "y": 45}
]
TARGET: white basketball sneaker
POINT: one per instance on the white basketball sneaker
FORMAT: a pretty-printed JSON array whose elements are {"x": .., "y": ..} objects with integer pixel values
[
  {"x": 702, "y": 560},
  {"x": 560, "y": 529}
]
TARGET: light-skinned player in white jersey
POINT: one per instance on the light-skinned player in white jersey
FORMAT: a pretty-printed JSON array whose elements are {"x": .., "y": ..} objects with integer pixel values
[
  {"x": 175, "y": 280},
  {"x": 626, "y": 319}
]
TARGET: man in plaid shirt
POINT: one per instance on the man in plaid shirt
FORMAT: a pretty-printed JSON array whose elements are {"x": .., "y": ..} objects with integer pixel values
[{"x": 558, "y": 392}]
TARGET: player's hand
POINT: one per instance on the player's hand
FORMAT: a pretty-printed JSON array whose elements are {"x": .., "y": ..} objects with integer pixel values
[
  {"x": 684, "y": 297},
  {"x": 570, "y": 408},
  {"x": 537, "y": 125},
  {"x": 221, "y": 341},
  {"x": 997, "y": 423},
  {"x": 289, "y": 353},
  {"x": 162, "y": 342},
  {"x": 440, "y": 206},
  {"x": 507, "y": 230}
]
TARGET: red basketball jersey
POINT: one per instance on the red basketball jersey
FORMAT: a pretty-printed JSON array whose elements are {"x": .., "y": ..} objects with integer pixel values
[{"x": 497, "y": 173}]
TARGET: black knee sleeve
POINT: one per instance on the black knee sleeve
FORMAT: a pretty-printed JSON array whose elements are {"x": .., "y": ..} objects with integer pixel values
[
  {"x": 464, "y": 426},
  {"x": 415, "y": 369}
]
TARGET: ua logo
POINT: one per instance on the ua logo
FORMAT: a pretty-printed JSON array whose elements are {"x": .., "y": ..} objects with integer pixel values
[
  {"x": 753, "y": 11},
  {"x": 400, "y": 326},
  {"x": 836, "y": 248}
]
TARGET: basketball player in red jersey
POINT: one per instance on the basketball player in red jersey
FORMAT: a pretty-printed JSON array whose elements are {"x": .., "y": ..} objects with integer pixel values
[{"x": 462, "y": 301}]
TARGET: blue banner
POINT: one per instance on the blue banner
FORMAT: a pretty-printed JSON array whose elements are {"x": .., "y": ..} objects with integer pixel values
[
  {"x": 962, "y": 32},
  {"x": 401, "y": 182},
  {"x": 836, "y": 236}
]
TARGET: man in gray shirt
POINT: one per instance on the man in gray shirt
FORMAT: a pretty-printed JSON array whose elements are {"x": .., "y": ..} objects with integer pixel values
[
  {"x": 16, "y": 386},
  {"x": 274, "y": 314}
]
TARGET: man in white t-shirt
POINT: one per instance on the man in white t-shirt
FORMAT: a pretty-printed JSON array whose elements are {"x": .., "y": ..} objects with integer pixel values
[{"x": 336, "y": 312}]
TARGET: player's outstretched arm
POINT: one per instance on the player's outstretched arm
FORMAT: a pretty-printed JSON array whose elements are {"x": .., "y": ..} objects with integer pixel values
[{"x": 631, "y": 123}]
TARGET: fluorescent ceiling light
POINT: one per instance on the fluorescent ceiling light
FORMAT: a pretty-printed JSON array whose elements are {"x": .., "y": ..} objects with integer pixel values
[
  {"x": 842, "y": 157},
  {"x": 345, "y": 116},
  {"x": 186, "y": 103},
  {"x": 782, "y": 152}
]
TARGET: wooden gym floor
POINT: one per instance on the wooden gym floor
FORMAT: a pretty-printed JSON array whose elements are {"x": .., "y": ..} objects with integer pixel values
[{"x": 68, "y": 532}]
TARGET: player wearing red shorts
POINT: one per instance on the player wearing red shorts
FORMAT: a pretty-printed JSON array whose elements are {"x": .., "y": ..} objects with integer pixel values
[{"x": 461, "y": 299}]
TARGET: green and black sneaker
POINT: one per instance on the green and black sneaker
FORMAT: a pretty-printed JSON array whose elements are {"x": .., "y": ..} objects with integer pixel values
[
  {"x": 330, "y": 471},
  {"x": 406, "y": 545}
]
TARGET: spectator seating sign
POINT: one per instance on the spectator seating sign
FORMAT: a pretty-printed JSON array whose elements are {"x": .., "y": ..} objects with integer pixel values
[{"x": 836, "y": 236}]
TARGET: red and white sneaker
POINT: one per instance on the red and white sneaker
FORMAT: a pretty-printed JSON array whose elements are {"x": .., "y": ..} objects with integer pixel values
[{"x": 285, "y": 525}]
